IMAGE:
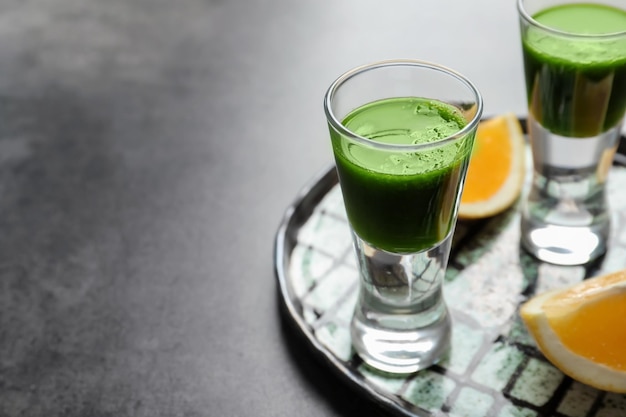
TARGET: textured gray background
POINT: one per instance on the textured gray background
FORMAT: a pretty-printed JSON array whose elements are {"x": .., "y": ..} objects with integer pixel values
[{"x": 148, "y": 150}]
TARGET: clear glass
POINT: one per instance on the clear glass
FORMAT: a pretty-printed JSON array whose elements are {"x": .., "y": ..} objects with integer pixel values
[
  {"x": 402, "y": 219},
  {"x": 576, "y": 90}
]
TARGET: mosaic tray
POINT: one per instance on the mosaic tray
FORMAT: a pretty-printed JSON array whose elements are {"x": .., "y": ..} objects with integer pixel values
[{"x": 493, "y": 368}]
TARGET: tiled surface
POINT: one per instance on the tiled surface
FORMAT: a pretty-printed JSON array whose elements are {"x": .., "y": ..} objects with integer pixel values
[{"x": 493, "y": 368}]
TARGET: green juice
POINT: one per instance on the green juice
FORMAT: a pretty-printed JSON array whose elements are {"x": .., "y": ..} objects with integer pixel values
[
  {"x": 576, "y": 86},
  {"x": 402, "y": 201}
]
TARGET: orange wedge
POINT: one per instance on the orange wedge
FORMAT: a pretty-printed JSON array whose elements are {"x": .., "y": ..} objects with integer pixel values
[
  {"x": 496, "y": 171},
  {"x": 582, "y": 330}
]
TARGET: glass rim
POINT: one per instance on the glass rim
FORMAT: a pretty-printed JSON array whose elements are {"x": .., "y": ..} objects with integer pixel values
[
  {"x": 600, "y": 36},
  {"x": 338, "y": 126}
]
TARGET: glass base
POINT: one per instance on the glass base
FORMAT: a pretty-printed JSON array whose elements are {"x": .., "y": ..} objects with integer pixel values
[
  {"x": 401, "y": 323},
  {"x": 565, "y": 220},
  {"x": 400, "y": 351},
  {"x": 562, "y": 245}
]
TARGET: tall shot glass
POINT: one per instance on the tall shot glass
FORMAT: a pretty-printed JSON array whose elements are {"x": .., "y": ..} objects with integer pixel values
[
  {"x": 402, "y": 133},
  {"x": 575, "y": 70}
]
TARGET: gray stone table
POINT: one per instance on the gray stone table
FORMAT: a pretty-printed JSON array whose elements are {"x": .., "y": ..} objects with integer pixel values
[{"x": 148, "y": 150}]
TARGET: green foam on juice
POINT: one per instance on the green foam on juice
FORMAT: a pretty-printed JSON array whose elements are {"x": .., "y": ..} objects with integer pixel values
[{"x": 402, "y": 200}]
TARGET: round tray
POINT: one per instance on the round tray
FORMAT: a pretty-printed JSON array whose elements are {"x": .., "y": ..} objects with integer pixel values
[{"x": 493, "y": 368}]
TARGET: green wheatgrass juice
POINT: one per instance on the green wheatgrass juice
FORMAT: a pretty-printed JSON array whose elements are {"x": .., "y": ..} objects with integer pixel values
[
  {"x": 405, "y": 201},
  {"x": 577, "y": 86}
]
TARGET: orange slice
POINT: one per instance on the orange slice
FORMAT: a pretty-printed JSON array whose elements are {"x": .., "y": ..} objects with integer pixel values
[
  {"x": 582, "y": 330},
  {"x": 496, "y": 170}
]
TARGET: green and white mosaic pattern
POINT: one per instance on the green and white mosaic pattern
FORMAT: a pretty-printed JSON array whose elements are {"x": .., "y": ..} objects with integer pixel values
[{"x": 493, "y": 367}]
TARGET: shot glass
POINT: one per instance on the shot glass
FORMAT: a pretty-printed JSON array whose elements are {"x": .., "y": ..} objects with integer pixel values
[
  {"x": 575, "y": 71},
  {"x": 402, "y": 133}
]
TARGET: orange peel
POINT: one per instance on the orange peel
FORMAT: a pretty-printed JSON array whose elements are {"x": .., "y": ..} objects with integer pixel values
[
  {"x": 495, "y": 175},
  {"x": 581, "y": 329}
]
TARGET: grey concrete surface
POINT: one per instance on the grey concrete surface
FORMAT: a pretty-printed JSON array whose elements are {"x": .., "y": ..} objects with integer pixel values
[{"x": 148, "y": 149}]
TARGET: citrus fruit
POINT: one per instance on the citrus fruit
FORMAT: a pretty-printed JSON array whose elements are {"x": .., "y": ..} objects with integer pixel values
[
  {"x": 581, "y": 329},
  {"x": 496, "y": 170}
]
